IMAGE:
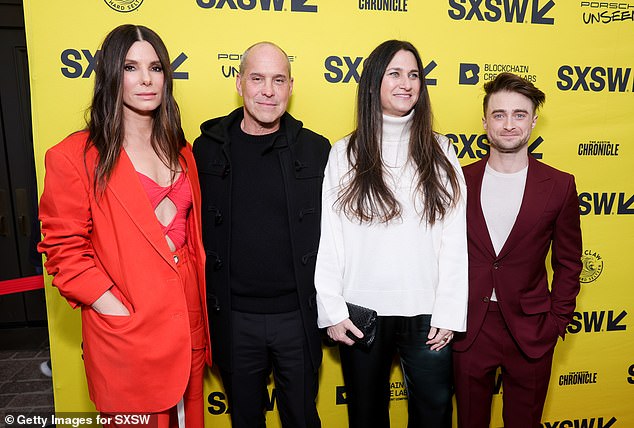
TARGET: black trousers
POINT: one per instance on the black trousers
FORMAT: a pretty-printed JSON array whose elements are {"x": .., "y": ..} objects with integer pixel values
[
  {"x": 265, "y": 342},
  {"x": 428, "y": 375}
]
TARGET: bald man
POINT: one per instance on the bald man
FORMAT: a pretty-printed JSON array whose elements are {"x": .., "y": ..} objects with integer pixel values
[{"x": 260, "y": 173}]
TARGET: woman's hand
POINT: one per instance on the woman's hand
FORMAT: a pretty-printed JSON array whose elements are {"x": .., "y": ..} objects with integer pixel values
[
  {"x": 438, "y": 338},
  {"x": 108, "y": 304},
  {"x": 338, "y": 332}
]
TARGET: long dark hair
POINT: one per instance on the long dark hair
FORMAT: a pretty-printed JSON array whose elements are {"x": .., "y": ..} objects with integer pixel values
[
  {"x": 105, "y": 123},
  {"x": 366, "y": 197}
]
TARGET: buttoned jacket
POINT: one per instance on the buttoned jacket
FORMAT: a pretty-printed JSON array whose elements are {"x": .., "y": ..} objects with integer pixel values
[{"x": 302, "y": 157}]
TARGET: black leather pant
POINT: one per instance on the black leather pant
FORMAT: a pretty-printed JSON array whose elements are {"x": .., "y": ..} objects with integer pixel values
[{"x": 427, "y": 374}]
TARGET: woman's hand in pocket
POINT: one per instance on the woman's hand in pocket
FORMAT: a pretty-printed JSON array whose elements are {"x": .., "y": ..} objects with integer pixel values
[{"x": 108, "y": 304}]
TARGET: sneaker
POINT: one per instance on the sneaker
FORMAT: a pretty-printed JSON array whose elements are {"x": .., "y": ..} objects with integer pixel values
[{"x": 45, "y": 368}]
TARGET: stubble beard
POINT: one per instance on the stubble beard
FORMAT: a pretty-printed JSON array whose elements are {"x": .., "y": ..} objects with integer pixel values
[{"x": 501, "y": 148}]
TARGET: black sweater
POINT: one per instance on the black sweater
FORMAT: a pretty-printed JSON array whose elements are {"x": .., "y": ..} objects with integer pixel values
[{"x": 262, "y": 277}]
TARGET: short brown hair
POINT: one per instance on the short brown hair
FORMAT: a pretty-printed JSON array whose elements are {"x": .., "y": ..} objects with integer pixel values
[{"x": 509, "y": 82}]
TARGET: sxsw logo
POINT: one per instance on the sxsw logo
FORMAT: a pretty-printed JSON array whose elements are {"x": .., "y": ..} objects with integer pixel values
[
  {"x": 81, "y": 64},
  {"x": 346, "y": 69},
  {"x": 276, "y": 5},
  {"x": 476, "y": 146},
  {"x": 605, "y": 203},
  {"x": 219, "y": 403},
  {"x": 595, "y": 79},
  {"x": 597, "y": 321},
  {"x": 515, "y": 11},
  {"x": 582, "y": 423}
]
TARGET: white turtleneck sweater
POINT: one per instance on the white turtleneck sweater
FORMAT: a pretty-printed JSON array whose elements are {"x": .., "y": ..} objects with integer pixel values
[{"x": 405, "y": 267}]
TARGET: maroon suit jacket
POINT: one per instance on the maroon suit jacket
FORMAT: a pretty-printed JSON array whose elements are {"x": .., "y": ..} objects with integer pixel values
[{"x": 548, "y": 219}]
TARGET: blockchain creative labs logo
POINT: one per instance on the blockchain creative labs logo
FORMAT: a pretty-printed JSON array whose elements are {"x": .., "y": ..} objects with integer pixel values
[
  {"x": 230, "y": 63},
  {"x": 262, "y": 5},
  {"x": 598, "y": 148},
  {"x": 398, "y": 391},
  {"x": 603, "y": 12},
  {"x": 472, "y": 74},
  {"x": 124, "y": 6},
  {"x": 578, "y": 378},
  {"x": 592, "y": 266},
  {"x": 383, "y": 5}
]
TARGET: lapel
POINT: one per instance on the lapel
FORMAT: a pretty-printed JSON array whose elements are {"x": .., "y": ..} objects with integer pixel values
[
  {"x": 125, "y": 186},
  {"x": 537, "y": 192},
  {"x": 477, "y": 226},
  {"x": 188, "y": 165}
]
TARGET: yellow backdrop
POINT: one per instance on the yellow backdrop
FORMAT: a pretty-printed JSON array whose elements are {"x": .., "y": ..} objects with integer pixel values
[{"x": 580, "y": 53}]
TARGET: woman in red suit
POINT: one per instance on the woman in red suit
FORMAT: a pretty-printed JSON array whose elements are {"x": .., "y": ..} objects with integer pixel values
[{"x": 120, "y": 217}]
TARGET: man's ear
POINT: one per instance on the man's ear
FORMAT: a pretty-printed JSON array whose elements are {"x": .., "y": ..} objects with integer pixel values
[
  {"x": 239, "y": 84},
  {"x": 534, "y": 121}
]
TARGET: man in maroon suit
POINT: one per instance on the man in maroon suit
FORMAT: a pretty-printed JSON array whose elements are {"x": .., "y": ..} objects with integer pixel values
[{"x": 517, "y": 210}]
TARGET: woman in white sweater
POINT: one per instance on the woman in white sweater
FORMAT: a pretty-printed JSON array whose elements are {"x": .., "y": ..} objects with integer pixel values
[{"x": 394, "y": 240}]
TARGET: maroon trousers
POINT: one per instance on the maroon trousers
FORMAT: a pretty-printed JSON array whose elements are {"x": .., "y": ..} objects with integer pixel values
[{"x": 524, "y": 380}]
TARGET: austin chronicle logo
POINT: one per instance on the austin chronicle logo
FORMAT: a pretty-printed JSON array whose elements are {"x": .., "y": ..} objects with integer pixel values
[
  {"x": 592, "y": 266},
  {"x": 123, "y": 5}
]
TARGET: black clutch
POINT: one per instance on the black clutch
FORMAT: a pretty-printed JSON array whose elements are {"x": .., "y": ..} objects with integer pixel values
[{"x": 365, "y": 320}]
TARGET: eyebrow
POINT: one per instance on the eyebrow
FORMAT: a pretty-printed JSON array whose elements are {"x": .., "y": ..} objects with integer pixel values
[
  {"x": 519, "y": 110},
  {"x": 275, "y": 76},
  {"x": 134, "y": 61},
  {"x": 401, "y": 69}
]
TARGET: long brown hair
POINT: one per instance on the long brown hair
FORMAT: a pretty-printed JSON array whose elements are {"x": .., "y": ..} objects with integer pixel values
[
  {"x": 366, "y": 197},
  {"x": 105, "y": 123}
]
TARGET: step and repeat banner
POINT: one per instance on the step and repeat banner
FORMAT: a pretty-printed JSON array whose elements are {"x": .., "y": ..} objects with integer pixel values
[{"x": 580, "y": 53}]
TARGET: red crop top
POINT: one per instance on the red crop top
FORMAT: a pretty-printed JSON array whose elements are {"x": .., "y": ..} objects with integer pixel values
[{"x": 180, "y": 194}]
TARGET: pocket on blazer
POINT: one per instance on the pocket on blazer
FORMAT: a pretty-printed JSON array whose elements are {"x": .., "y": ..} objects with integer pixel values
[
  {"x": 534, "y": 305},
  {"x": 117, "y": 321}
]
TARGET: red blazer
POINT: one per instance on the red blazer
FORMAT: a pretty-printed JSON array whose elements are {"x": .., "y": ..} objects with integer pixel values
[
  {"x": 548, "y": 217},
  {"x": 136, "y": 363}
]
